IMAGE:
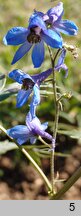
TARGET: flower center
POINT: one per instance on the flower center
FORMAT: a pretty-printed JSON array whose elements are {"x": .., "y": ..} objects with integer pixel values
[
  {"x": 27, "y": 84},
  {"x": 34, "y": 36}
]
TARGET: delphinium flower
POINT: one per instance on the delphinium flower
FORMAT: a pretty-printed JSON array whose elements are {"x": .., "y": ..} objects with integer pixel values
[
  {"x": 29, "y": 84},
  {"x": 30, "y": 131},
  {"x": 36, "y": 34},
  {"x": 53, "y": 19}
]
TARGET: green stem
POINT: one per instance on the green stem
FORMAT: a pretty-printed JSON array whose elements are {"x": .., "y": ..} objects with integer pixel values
[
  {"x": 56, "y": 117},
  {"x": 68, "y": 184},
  {"x": 40, "y": 138},
  {"x": 31, "y": 160}
]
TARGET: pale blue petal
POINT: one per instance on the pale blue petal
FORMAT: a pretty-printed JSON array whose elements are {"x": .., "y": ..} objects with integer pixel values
[
  {"x": 16, "y": 36},
  {"x": 21, "y": 51},
  {"x": 52, "y": 38},
  {"x": 20, "y": 133},
  {"x": 38, "y": 54},
  {"x": 44, "y": 126},
  {"x": 32, "y": 123},
  {"x": 22, "y": 97},
  {"x": 67, "y": 27},
  {"x": 33, "y": 140},
  {"x": 56, "y": 12}
]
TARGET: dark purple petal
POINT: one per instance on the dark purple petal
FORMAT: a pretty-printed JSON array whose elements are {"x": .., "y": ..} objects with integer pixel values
[
  {"x": 16, "y": 36},
  {"x": 38, "y": 54},
  {"x": 52, "y": 38},
  {"x": 38, "y": 78},
  {"x": 22, "y": 97},
  {"x": 20, "y": 132},
  {"x": 35, "y": 100},
  {"x": 37, "y": 21},
  {"x": 21, "y": 51}
]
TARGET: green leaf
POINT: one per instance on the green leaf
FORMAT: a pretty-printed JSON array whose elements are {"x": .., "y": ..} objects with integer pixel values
[
  {"x": 2, "y": 81},
  {"x": 6, "y": 95},
  {"x": 7, "y": 146},
  {"x": 75, "y": 134}
]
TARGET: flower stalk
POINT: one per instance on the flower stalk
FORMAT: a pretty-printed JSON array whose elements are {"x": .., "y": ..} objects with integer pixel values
[{"x": 56, "y": 116}]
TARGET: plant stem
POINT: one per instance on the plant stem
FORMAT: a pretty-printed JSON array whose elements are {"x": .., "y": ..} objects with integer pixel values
[
  {"x": 47, "y": 183},
  {"x": 40, "y": 138},
  {"x": 56, "y": 117},
  {"x": 68, "y": 184}
]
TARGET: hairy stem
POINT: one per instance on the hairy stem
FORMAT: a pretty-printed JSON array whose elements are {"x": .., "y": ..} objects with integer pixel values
[
  {"x": 56, "y": 116},
  {"x": 45, "y": 179},
  {"x": 68, "y": 184}
]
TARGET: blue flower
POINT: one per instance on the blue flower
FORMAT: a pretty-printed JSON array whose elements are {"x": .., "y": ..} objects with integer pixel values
[
  {"x": 30, "y": 131},
  {"x": 36, "y": 34},
  {"x": 53, "y": 19},
  {"x": 29, "y": 84}
]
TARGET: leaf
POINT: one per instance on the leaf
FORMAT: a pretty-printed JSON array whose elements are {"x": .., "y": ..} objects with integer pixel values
[
  {"x": 7, "y": 146},
  {"x": 2, "y": 76},
  {"x": 75, "y": 134},
  {"x": 2, "y": 81},
  {"x": 6, "y": 95}
]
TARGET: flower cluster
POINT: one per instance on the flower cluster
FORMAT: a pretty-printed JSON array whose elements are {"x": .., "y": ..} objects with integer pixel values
[{"x": 42, "y": 28}]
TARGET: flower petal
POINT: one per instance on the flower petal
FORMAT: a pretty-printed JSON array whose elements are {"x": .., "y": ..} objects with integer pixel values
[
  {"x": 61, "y": 59},
  {"x": 52, "y": 38},
  {"x": 22, "y": 97},
  {"x": 42, "y": 133},
  {"x": 31, "y": 123},
  {"x": 65, "y": 68},
  {"x": 35, "y": 100},
  {"x": 44, "y": 126},
  {"x": 36, "y": 20},
  {"x": 38, "y": 78},
  {"x": 67, "y": 27},
  {"x": 33, "y": 140},
  {"x": 38, "y": 54},
  {"x": 18, "y": 75},
  {"x": 20, "y": 132},
  {"x": 16, "y": 36},
  {"x": 35, "y": 128},
  {"x": 56, "y": 12},
  {"x": 21, "y": 51}
]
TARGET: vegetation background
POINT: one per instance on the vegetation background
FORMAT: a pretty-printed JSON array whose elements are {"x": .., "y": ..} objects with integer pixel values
[{"x": 15, "y": 177}]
